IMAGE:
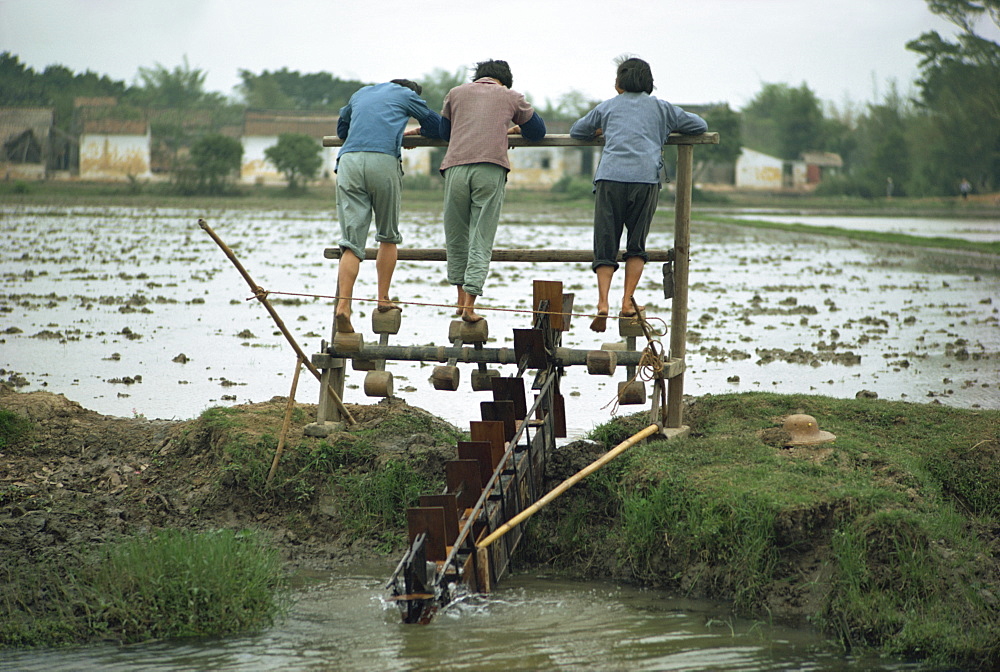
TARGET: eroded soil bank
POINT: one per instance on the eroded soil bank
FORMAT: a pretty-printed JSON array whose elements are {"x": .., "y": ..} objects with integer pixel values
[{"x": 75, "y": 477}]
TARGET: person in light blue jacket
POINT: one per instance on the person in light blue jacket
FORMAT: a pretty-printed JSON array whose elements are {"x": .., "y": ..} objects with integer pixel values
[
  {"x": 635, "y": 126},
  {"x": 370, "y": 179}
]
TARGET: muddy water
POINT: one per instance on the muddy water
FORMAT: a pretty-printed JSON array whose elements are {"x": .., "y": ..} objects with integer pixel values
[
  {"x": 137, "y": 312},
  {"x": 532, "y": 623}
]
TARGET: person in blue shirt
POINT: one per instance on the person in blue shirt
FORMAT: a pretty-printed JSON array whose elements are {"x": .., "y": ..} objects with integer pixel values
[
  {"x": 635, "y": 126},
  {"x": 370, "y": 180}
]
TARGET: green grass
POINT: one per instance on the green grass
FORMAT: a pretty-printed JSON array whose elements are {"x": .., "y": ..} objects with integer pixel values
[
  {"x": 936, "y": 242},
  {"x": 897, "y": 519},
  {"x": 13, "y": 428},
  {"x": 169, "y": 584}
]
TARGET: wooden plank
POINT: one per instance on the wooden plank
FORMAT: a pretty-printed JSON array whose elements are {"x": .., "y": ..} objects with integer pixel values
[
  {"x": 510, "y": 388},
  {"x": 482, "y": 453},
  {"x": 530, "y": 342},
  {"x": 567, "y": 309},
  {"x": 505, "y": 255},
  {"x": 428, "y": 520},
  {"x": 551, "y": 291},
  {"x": 462, "y": 478},
  {"x": 448, "y": 502},
  {"x": 552, "y": 140},
  {"x": 500, "y": 411},
  {"x": 493, "y": 432}
]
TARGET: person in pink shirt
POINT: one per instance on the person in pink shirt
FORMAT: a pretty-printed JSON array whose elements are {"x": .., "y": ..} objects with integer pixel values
[{"x": 476, "y": 119}]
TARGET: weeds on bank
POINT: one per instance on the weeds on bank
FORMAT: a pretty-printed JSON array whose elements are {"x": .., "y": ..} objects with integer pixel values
[
  {"x": 171, "y": 583},
  {"x": 13, "y": 427},
  {"x": 368, "y": 494},
  {"x": 901, "y": 510}
]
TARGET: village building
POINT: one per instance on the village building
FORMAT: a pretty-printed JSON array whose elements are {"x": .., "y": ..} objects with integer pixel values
[
  {"x": 261, "y": 129},
  {"x": 756, "y": 171},
  {"x": 25, "y": 142},
  {"x": 115, "y": 150}
]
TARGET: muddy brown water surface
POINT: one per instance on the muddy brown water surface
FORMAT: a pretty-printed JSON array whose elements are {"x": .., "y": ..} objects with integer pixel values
[{"x": 136, "y": 312}]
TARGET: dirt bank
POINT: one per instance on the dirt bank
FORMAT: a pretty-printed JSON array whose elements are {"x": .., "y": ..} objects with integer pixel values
[{"x": 80, "y": 477}]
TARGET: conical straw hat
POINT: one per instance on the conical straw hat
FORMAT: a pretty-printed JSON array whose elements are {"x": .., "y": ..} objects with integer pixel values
[{"x": 804, "y": 430}]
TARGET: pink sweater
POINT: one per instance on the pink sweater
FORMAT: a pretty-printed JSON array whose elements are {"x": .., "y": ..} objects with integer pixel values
[{"x": 480, "y": 113}]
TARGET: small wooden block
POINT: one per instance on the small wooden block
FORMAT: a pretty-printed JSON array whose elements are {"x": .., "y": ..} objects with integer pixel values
[
  {"x": 378, "y": 384},
  {"x": 632, "y": 393},
  {"x": 445, "y": 378},
  {"x": 387, "y": 322},
  {"x": 617, "y": 345},
  {"x": 629, "y": 326},
  {"x": 363, "y": 364},
  {"x": 348, "y": 342},
  {"x": 469, "y": 332},
  {"x": 482, "y": 380},
  {"x": 601, "y": 362}
]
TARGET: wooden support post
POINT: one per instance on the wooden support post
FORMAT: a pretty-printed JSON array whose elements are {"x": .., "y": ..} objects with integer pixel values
[
  {"x": 679, "y": 310},
  {"x": 289, "y": 407}
]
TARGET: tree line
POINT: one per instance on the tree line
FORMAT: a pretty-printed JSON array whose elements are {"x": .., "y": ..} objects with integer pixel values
[{"x": 922, "y": 143}]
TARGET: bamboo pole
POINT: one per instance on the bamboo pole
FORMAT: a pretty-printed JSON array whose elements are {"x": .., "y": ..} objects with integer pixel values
[
  {"x": 567, "y": 484},
  {"x": 289, "y": 407},
  {"x": 261, "y": 296}
]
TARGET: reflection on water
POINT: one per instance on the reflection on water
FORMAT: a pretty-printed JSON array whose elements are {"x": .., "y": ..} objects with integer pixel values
[
  {"x": 532, "y": 623},
  {"x": 100, "y": 303}
]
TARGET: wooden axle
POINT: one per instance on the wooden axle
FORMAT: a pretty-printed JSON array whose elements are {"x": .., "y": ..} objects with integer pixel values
[{"x": 469, "y": 355}]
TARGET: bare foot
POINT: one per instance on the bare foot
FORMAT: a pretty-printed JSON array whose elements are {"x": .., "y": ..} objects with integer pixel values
[
  {"x": 600, "y": 322},
  {"x": 343, "y": 321},
  {"x": 469, "y": 316},
  {"x": 385, "y": 305},
  {"x": 628, "y": 312}
]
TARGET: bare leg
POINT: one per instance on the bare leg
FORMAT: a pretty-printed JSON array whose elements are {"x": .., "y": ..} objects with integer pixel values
[
  {"x": 460, "y": 303},
  {"x": 604, "y": 276},
  {"x": 385, "y": 264},
  {"x": 468, "y": 314},
  {"x": 347, "y": 274},
  {"x": 633, "y": 273}
]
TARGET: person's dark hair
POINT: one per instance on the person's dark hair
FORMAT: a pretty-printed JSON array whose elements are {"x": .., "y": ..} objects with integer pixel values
[
  {"x": 498, "y": 70},
  {"x": 416, "y": 88},
  {"x": 634, "y": 75}
]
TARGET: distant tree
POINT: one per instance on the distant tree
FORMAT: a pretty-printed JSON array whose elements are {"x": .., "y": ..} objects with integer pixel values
[
  {"x": 437, "y": 83},
  {"x": 180, "y": 88},
  {"x": 289, "y": 89},
  {"x": 569, "y": 106},
  {"x": 960, "y": 96},
  {"x": 297, "y": 156},
  {"x": 212, "y": 163},
  {"x": 784, "y": 121},
  {"x": 726, "y": 122}
]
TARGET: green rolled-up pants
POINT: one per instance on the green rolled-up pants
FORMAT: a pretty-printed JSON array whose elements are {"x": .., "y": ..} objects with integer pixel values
[{"x": 473, "y": 197}]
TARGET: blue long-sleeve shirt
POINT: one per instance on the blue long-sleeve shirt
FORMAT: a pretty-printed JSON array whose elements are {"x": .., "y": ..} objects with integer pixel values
[
  {"x": 635, "y": 127},
  {"x": 533, "y": 129},
  {"x": 375, "y": 117}
]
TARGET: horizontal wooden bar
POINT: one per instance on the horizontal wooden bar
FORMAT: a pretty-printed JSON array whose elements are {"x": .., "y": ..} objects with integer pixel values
[
  {"x": 437, "y": 254},
  {"x": 554, "y": 140},
  {"x": 470, "y": 355}
]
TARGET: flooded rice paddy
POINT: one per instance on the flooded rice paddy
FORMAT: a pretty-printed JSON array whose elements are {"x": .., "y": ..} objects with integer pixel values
[{"x": 138, "y": 312}]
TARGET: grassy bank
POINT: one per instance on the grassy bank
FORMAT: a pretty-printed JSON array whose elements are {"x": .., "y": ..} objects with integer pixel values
[
  {"x": 886, "y": 538},
  {"x": 167, "y": 584}
]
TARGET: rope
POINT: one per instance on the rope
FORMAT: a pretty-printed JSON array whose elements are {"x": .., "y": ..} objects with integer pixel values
[{"x": 650, "y": 365}]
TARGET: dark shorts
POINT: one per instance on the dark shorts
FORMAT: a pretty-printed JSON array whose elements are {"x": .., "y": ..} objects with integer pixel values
[{"x": 622, "y": 206}]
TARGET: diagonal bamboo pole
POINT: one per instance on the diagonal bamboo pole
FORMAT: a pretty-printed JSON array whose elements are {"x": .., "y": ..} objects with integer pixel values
[
  {"x": 261, "y": 296},
  {"x": 567, "y": 484},
  {"x": 289, "y": 407}
]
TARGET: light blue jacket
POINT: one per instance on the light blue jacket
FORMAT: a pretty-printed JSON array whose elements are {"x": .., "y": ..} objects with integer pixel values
[
  {"x": 375, "y": 117},
  {"x": 636, "y": 126}
]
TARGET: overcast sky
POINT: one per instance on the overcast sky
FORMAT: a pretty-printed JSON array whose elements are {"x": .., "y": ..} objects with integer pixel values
[{"x": 700, "y": 51}]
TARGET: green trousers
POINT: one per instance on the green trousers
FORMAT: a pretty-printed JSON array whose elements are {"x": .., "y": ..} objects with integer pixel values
[{"x": 473, "y": 197}]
